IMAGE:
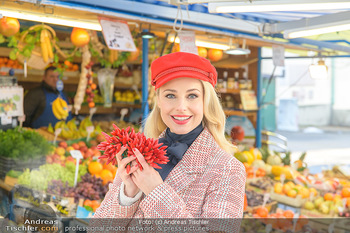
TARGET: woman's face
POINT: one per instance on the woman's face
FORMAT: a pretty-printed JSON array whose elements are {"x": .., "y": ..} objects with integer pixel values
[{"x": 181, "y": 104}]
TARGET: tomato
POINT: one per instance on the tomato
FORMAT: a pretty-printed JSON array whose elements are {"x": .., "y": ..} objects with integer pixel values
[
  {"x": 9, "y": 26},
  {"x": 237, "y": 133},
  {"x": 79, "y": 37}
]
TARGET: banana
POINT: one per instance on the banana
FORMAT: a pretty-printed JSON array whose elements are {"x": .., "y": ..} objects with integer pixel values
[
  {"x": 48, "y": 43},
  {"x": 44, "y": 49},
  {"x": 60, "y": 108},
  {"x": 111, "y": 56}
]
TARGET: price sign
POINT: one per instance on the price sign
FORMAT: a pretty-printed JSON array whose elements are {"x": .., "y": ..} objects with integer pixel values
[
  {"x": 57, "y": 132},
  {"x": 117, "y": 34},
  {"x": 77, "y": 155},
  {"x": 187, "y": 42},
  {"x": 89, "y": 130}
]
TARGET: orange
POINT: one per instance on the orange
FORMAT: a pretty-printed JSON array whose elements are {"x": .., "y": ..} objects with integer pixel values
[
  {"x": 202, "y": 52},
  {"x": 95, "y": 168},
  {"x": 91, "y": 104},
  {"x": 106, "y": 176},
  {"x": 79, "y": 37},
  {"x": 288, "y": 214},
  {"x": 304, "y": 192},
  {"x": 328, "y": 197},
  {"x": 67, "y": 63},
  {"x": 110, "y": 167},
  {"x": 292, "y": 193},
  {"x": 286, "y": 188},
  {"x": 95, "y": 204},
  {"x": 262, "y": 212},
  {"x": 215, "y": 54},
  {"x": 314, "y": 191},
  {"x": 278, "y": 188},
  {"x": 87, "y": 202},
  {"x": 345, "y": 192},
  {"x": 93, "y": 86}
]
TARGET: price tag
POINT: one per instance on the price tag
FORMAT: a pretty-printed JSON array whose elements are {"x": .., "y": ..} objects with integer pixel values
[
  {"x": 117, "y": 34},
  {"x": 266, "y": 198},
  {"x": 283, "y": 177},
  {"x": 254, "y": 172},
  {"x": 77, "y": 155},
  {"x": 21, "y": 119},
  {"x": 6, "y": 120},
  {"x": 188, "y": 42},
  {"x": 89, "y": 130},
  {"x": 57, "y": 132},
  {"x": 92, "y": 112},
  {"x": 123, "y": 113}
]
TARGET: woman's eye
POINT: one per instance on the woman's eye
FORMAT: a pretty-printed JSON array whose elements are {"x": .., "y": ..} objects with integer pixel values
[
  {"x": 192, "y": 96},
  {"x": 170, "y": 96}
]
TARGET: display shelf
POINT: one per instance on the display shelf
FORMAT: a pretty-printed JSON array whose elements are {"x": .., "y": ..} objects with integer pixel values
[
  {"x": 229, "y": 91},
  {"x": 102, "y": 110},
  {"x": 238, "y": 112}
]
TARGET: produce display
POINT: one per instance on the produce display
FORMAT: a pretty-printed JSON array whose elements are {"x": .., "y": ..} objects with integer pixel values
[{"x": 23, "y": 144}]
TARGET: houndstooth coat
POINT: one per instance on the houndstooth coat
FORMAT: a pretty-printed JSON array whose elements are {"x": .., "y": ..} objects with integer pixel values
[{"x": 206, "y": 183}]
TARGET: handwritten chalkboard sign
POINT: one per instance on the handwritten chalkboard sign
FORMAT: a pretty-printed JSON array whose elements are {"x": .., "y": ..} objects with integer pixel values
[{"x": 117, "y": 34}]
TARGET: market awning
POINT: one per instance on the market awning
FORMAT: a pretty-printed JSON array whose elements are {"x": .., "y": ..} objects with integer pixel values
[{"x": 162, "y": 15}]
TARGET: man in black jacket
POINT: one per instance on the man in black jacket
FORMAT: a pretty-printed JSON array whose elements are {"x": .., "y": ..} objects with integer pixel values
[{"x": 38, "y": 101}]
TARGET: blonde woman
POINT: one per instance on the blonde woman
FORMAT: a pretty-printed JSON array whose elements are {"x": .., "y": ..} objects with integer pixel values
[{"x": 202, "y": 178}]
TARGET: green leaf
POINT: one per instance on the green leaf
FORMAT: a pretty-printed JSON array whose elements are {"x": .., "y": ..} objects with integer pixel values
[
  {"x": 13, "y": 54},
  {"x": 2, "y": 39},
  {"x": 12, "y": 42},
  {"x": 56, "y": 58}
]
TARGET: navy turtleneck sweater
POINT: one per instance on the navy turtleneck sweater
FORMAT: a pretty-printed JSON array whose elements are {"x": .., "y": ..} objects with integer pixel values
[{"x": 177, "y": 146}]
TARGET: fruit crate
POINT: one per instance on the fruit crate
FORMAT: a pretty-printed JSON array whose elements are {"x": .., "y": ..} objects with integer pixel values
[
  {"x": 7, "y": 164},
  {"x": 295, "y": 202},
  {"x": 271, "y": 207}
]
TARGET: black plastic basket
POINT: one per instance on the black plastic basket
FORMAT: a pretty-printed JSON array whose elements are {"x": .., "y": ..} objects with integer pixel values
[{"x": 7, "y": 164}]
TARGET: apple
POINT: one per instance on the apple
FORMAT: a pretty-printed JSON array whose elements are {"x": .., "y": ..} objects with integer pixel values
[
  {"x": 69, "y": 148},
  {"x": 318, "y": 202},
  {"x": 89, "y": 153},
  {"x": 83, "y": 149},
  {"x": 49, "y": 159},
  {"x": 100, "y": 138},
  {"x": 93, "y": 143},
  {"x": 309, "y": 205},
  {"x": 63, "y": 144},
  {"x": 324, "y": 209},
  {"x": 81, "y": 144},
  {"x": 75, "y": 146}
]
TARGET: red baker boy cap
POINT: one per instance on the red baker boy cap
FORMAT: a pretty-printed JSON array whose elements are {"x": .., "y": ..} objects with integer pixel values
[{"x": 180, "y": 65}]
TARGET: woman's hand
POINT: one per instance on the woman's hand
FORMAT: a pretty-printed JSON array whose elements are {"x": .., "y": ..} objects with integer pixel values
[
  {"x": 147, "y": 179},
  {"x": 130, "y": 188}
]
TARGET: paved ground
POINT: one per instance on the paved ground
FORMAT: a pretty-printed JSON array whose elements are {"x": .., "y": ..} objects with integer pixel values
[{"x": 324, "y": 145}]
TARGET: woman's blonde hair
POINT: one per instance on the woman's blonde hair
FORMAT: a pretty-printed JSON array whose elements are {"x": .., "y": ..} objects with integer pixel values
[{"x": 214, "y": 119}]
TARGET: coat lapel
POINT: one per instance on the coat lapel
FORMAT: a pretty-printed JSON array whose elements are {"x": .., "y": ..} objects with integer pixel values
[{"x": 193, "y": 162}]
